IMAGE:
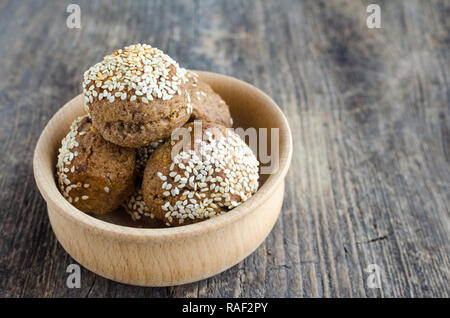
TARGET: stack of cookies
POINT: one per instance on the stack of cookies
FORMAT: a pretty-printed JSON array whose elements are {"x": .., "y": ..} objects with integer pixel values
[{"x": 154, "y": 141}]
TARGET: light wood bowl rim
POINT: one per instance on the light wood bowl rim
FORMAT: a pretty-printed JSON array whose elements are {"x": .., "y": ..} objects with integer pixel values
[{"x": 53, "y": 196}]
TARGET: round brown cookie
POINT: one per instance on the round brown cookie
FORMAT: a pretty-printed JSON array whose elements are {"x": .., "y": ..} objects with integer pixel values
[
  {"x": 215, "y": 174},
  {"x": 96, "y": 176},
  {"x": 136, "y": 95},
  {"x": 207, "y": 104}
]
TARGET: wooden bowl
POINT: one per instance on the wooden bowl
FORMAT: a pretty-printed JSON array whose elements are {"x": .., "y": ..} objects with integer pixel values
[{"x": 168, "y": 256}]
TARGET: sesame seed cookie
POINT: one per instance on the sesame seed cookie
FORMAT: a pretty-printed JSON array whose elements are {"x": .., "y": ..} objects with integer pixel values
[
  {"x": 136, "y": 95},
  {"x": 207, "y": 104},
  {"x": 96, "y": 176},
  {"x": 215, "y": 172},
  {"x": 135, "y": 206},
  {"x": 141, "y": 216}
]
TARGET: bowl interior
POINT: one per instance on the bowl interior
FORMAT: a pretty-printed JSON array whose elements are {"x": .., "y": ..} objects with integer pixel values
[{"x": 249, "y": 108}]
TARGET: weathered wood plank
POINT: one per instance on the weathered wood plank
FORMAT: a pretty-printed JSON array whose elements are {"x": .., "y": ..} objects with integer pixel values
[{"x": 369, "y": 109}]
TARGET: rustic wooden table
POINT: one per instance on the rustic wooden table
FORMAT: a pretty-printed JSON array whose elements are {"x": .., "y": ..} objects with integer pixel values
[{"x": 369, "y": 110}]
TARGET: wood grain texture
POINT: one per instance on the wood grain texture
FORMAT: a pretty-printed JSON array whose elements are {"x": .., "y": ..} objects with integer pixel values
[{"x": 369, "y": 110}]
